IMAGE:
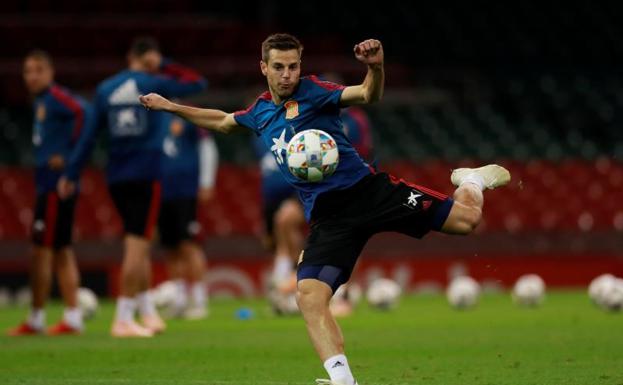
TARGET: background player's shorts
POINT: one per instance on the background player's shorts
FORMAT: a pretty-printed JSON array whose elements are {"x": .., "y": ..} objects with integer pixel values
[
  {"x": 344, "y": 220},
  {"x": 53, "y": 220},
  {"x": 178, "y": 221},
  {"x": 138, "y": 203}
]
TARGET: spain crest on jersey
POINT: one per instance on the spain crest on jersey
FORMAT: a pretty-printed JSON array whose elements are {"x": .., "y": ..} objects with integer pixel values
[
  {"x": 292, "y": 109},
  {"x": 40, "y": 112}
]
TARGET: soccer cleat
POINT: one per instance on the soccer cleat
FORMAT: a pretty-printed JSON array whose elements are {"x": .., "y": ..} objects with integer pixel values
[
  {"x": 63, "y": 328},
  {"x": 320, "y": 381},
  {"x": 154, "y": 323},
  {"x": 492, "y": 175},
  {"x": 129, "y": 329},
  {"x": 24, "y": 329}
]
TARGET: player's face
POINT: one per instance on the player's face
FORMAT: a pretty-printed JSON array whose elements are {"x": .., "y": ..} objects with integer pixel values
[
  {"x": 282, "y": 71},
  {"x": 38, "y": 74}
]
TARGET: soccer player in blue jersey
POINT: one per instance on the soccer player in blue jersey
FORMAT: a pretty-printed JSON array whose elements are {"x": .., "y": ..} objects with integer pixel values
[
  {"x": 58, "y": 122},
  {"x": 189, "y": 170},
  {"x": 134, "y": 169},
  {"x": 355, "y": 203}
]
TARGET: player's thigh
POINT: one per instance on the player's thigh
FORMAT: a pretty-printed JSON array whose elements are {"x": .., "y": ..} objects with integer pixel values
[{"x": 290, "y": 212}]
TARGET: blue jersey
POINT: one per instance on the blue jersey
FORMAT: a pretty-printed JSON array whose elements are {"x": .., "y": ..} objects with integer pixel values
[
  {"x": 58, "y": 123},
  {"x": 357, "y": 128},
  {"x": 275, "y": 188},
  {"x": 314, "y": 104},
  {"x": 180, "y": 164},
  {"x": 135, "y": 134}
]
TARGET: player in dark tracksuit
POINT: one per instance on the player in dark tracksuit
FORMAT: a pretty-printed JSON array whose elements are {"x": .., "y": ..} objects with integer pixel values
[
  {"x": 190, "y": 160},
  {"x": 134, "y": 171},
  {"x": 59, "y": 118}
]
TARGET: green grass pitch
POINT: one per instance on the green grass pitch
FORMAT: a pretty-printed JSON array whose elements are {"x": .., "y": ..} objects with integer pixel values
[{"x": 566, "y": 341}]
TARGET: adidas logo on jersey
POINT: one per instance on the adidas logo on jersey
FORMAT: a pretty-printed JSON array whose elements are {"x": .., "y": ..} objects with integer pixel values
[{"x": 126, "y": 93}]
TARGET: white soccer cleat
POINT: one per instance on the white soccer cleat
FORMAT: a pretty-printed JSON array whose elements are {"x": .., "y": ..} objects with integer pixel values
[
  {"x": 492, "y": 175},
  {"x": 195, "y": 313},
  {"x": 321, "y": 381},
  {"x": 129, "y": 329}
]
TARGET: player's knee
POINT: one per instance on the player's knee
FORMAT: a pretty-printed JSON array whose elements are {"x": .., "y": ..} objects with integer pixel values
[
  {"x": 287, "y": 215},
  {"x": 311, "y": 298}
]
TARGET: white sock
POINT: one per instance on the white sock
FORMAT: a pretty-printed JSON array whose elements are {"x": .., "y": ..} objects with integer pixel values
[
  {"x": 474, "y": 178},
  {"x": 282, "y": 268},
  {"x": 198, "y": 294},
  {"x": 338, "y": 369},
  {"x": 146, "y": 304},
  {"x": 36, "y": 318},
  {"x": 126, "y": 307},
  {"x": 73, "y": 317},
  {"x": 181, "y": 297}
]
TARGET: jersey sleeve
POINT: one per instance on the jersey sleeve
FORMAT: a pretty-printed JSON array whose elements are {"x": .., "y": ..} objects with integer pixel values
[
  {"x": 246, "y": 117},
  {"x": 72, "y": 107},
  {"x": 323, "y": 93},
  {"x": 177, "y": 80},
  {"x": 86, "y": 140}
]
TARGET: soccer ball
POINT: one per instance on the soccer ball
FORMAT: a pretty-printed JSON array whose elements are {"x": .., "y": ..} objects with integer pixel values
[
  {"x": 312, "y": 155},
  {"x": 164, "y": 294},
  {"x": 529, "y": 290},
  {"x": 383, "y": 293},
  {"x": 606, "y": 291},
  {"x": 87, "y": 302},
  {"x": 463, "y": 292}
]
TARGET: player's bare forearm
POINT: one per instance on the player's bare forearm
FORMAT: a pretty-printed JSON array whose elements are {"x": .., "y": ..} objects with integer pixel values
[
  {"x": 369, "y": 52},
  {"x": 374, "y": 83},
  {"x": 215, "y": 120}
]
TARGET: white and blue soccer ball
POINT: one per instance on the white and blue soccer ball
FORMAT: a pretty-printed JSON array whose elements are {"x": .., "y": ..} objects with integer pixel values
[
  {"x": 312, "y": 155},
  {"x": 529, "y": 290},
  {"x": 87, "y": 302},
  {"x": 463, "y": 292},
  {"x": 383, "y": 293}
]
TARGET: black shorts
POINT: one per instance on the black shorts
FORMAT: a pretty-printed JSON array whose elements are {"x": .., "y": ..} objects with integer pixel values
[
  {"x": 178, "y": 221},
  {"x": 138, "y": 203},
  {"x": 344, "y": 220},
  {"x": 53, "y": 222}
]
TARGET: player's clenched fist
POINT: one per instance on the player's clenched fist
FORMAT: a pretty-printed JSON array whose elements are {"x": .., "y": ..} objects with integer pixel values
[
  {"x": 369, "y": 52},
  {"x": 154, "y": 101}
]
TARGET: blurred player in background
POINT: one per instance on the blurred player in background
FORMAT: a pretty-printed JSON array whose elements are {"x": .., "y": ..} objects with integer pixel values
[
  {"x": 134, "y": 170},
  {"x": 189, "y": 170},
  {"x": 355, "y": 203},
  {"x": 58, "y": 123}
]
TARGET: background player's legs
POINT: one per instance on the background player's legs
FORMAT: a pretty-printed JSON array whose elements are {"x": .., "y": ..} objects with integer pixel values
[
  {"x": 68, "y": 282},
  {"x": 288, "y": 219},
  {"x": 313, "y": 297},
  {"x": 176, "y": 269},
  {"x": 195, "y": 270},
  {"x": 40, "y": 284},
  {"x": 146, "y": 306},
  {"x": 133, "y": 279}
]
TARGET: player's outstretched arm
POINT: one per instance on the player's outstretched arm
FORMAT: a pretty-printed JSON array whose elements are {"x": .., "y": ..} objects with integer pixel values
[
  {"x": 215, "y": 120},
  {"x": 369, "y": 52}
]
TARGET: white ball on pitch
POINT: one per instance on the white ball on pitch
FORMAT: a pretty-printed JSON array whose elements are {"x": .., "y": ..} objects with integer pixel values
[
  {"x": 613, "y": 300},
  {"x": 463, "y": 292},
  {"x": 164, "y": 294},
  {"x": 312, "y": 155},
  {"x": 87, "y": 302},
  {"x": 529, "y": 290},
  {"x": 599, "y": 287},
  {"x": 383, "y": 293}
]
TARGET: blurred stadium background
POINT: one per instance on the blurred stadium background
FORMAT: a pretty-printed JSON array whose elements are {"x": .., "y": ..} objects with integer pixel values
[{"x": 536, "y": 87}]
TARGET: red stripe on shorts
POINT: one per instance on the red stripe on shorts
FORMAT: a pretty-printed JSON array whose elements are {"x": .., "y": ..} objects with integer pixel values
[
  {"x": 154, "y": 208},
  {"x": 51, "y": 214}
]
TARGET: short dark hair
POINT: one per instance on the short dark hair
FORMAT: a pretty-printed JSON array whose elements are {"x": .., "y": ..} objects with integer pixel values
[
  {"x": 39, "y": 54},
  {"x": 281, "y": 42},
  {"x": 144, "y": 44}
]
